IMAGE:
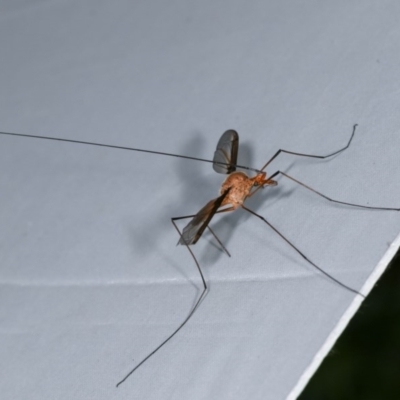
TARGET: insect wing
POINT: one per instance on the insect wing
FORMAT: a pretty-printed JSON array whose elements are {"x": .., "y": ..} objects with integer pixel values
[
  {"x": 195, "y": 228},
  {"x": 225, "y": 157}
]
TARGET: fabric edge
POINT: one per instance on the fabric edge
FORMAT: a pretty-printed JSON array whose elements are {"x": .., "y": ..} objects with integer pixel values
[{"x": 344, "y": 320}]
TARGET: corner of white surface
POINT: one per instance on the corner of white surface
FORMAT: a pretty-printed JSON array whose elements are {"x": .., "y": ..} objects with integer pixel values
[{"x": 346, "y": 317}]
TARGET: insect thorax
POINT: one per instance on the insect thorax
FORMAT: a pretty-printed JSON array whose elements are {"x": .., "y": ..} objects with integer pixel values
[{"x": 240, "y": 185}]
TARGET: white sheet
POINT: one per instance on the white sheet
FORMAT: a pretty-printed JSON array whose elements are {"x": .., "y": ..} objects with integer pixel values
[{"x": 91, "y": 279}]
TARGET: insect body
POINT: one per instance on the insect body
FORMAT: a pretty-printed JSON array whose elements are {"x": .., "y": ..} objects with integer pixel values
[
  {"x": 234, "y": 190},
  {"x": 240, "y": 186}
]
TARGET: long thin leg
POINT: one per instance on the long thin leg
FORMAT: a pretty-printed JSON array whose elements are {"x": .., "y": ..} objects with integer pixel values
[
  {"x": 254, "y": 191},
  {"x": 220, "y": 243},
  {"x": 310, "y": 155},
  {"x": 122, "y": 148},
  {"x": 330, "y": 199},
  {"x": 199, "y": 300},
  {"x": 216, "y": 237},
  {"x": 302, "y": 254},
  {"x": 208, "y": 227}
]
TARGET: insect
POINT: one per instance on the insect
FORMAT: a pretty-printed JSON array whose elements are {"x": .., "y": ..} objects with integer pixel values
[{"x": 236, "y": 188}]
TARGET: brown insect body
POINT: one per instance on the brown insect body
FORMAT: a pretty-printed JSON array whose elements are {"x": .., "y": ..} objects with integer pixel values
[
  {"x": 240, "y": 187},
  {"x": 235, "y": 189}
]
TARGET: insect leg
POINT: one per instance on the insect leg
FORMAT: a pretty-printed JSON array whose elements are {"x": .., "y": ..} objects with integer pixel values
[
  {"x": 220, "y": 243},
  {"x": 216, "y": 237},
  {"x": 302, "y": 254},
  {"x": 310, "y": 155},
  {"x": 255, "y": 191},
  {"x": 330, "y": 199},
  {"x": 199, "y": 300}
]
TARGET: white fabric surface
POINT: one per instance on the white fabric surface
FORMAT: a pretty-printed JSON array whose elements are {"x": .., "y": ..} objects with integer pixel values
[{"x": 91, "y": 279}]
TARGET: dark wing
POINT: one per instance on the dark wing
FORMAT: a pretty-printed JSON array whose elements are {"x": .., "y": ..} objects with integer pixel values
[
  {"x": 195, "y": 228},
  {"x": 225, "y": 157}
]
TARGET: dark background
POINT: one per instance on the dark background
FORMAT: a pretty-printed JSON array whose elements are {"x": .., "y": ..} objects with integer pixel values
[{"x": 365, "y": 362}]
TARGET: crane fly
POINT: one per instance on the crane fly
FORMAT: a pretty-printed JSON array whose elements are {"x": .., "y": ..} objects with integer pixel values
[{"x": 235, "y": 189}]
